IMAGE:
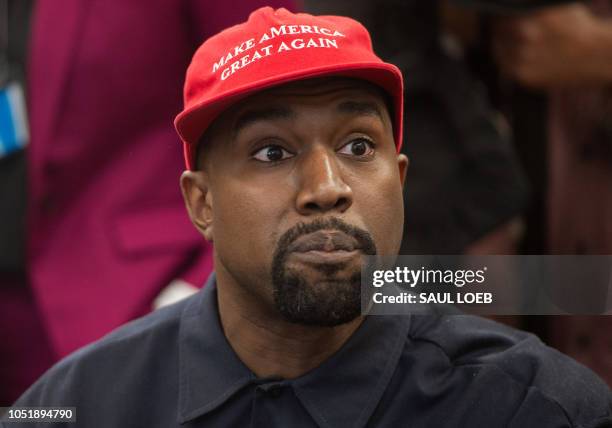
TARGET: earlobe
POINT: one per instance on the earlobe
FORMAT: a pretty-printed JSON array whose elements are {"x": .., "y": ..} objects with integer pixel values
[
  {"x": 402, "y": 164},
  {"x": 198, "y": 201}
]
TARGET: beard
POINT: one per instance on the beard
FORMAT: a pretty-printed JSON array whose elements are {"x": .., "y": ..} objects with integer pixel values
[{"x": 330, "y": 297}]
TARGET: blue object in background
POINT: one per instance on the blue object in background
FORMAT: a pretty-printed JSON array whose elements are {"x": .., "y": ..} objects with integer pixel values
[{"x": 13, "y": 121}]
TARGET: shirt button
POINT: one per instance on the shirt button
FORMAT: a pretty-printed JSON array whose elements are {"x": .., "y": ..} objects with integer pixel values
[{"x": 275, "y": 391}]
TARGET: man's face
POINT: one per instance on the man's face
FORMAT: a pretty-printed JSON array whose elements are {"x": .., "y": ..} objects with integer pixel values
[{"x": 296, "y": 184}]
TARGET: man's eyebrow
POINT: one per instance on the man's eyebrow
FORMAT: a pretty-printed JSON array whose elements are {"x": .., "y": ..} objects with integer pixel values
[
  {"x": 363, "y": 108},
  {"x": 271, "y": 113}
]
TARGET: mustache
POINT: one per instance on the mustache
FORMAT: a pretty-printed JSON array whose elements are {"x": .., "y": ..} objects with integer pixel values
[{"x": 346, "y": 237}]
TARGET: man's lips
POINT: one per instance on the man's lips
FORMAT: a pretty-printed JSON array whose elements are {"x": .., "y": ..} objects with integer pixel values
[
  {"x": 324, "y": 241},
  {"x": 325, "y": 247}
]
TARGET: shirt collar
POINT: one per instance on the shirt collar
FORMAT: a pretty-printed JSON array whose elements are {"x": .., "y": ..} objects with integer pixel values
[
  {"x": 209, "y": 370},
  {"x": 343, "y": 391}
]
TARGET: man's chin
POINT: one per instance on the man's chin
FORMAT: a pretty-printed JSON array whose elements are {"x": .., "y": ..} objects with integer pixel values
[
  {"x": 318, "y": 301},
  {"x": 329, "y": 319}
]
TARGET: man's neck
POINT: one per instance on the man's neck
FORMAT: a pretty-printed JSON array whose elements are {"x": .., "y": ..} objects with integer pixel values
[{"x": 269, "y": 345}]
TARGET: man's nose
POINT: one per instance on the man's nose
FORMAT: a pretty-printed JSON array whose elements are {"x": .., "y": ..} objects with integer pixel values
[{"x": 322, "y": 188}]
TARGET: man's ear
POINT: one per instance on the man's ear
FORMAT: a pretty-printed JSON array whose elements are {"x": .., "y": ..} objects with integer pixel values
[
  {"x": 402, "y": 165},
  {"x": 198, "y": 201}
]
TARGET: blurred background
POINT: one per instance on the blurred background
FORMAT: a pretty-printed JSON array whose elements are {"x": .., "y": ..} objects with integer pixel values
[{"x": 508, "y": 126}]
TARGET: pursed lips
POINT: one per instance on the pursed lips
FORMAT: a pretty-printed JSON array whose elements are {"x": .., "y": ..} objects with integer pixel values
[
  {"x": 325, "y": 246},
  {"x": 324, "y": 240}
]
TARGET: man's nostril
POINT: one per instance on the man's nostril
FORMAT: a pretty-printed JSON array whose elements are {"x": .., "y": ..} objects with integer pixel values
[
  {"x": 311, "y": 206},
  {"x": 342, "y": 202}
]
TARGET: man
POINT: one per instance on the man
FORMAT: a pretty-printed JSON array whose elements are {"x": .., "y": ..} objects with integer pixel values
[{"x": 292, "y": 129}]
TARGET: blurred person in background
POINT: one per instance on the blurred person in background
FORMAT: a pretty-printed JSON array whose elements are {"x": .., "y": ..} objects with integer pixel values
[
  {"x": 106, "y": 238},
  {"x": 565, "y": 51}
]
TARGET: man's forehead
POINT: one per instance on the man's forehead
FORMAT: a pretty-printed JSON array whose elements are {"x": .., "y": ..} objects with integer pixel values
[
  {"x": 340, "y": 95},
  {"x": 352, "y": 96}
]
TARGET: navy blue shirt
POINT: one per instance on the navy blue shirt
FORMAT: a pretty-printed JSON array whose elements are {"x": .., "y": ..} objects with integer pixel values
[{"x": 175, "y": 368}]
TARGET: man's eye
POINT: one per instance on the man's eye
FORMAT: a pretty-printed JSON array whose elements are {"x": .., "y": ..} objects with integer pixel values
[
  {"x": 358, "y": 147},
  {"x": 272, "y": 154}
]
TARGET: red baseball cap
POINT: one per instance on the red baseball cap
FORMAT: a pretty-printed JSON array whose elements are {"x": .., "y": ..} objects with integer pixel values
[{"x": 272, "y": 48}]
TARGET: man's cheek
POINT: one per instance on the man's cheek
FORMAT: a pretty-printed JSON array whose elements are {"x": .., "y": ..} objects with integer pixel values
[
  {"x": 243, "y": 222},
  {"x": 385, "y": 221}
]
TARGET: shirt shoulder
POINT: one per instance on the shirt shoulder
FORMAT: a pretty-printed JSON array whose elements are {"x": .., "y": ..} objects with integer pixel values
[
  {"x": 469, "y": 340},
  {"x": 100, "y": 378}
]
